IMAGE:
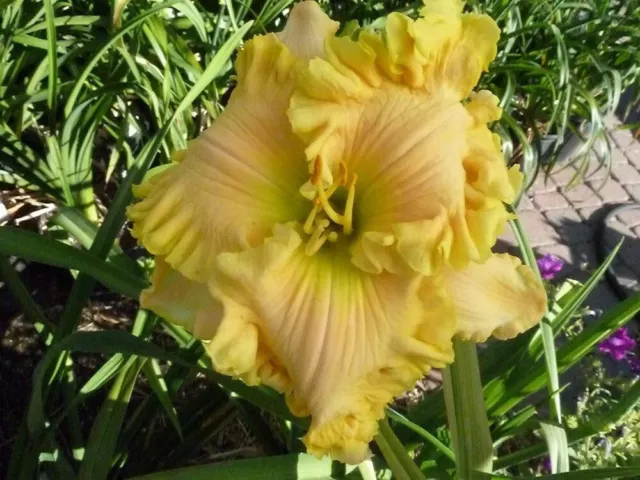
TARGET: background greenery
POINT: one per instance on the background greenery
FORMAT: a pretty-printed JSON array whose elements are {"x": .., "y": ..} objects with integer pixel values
[{"x": 94, "y": 93}]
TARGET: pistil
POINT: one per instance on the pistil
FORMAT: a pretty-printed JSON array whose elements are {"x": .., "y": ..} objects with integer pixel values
[{"x": 323, "y": 214}]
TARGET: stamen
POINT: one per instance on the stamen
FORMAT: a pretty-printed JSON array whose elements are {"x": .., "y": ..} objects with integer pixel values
[
  {"x": 316, "y": 226},
  {"x": 348, "y": 209},
  {"x": 308, "y": 224},
  {"x": 326, "y": 206},
  {"x": 313, "y": 246},
  {"x": 317, "y": 171},
  {"x": 331, "y": 190},
  {"x": 318, "y": 238}
]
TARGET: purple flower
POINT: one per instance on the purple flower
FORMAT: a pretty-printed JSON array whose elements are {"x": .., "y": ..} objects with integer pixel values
[
  {"x": 549, "y": 266},
  {"x": 618, "y": 345}
]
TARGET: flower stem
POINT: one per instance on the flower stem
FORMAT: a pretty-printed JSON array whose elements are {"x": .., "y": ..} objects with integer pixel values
[
  {"x": 397, "y": 458},
  {"x": 467, "y": 413}
]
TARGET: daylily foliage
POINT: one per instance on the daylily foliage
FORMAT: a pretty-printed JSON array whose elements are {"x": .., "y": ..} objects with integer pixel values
[{"x": 331, "y": 232}]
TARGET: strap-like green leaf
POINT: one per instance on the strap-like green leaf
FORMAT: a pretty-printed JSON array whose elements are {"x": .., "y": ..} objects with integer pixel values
[
  {"x": 34, "y": 247},
  {"x": 283, "y": 467},
  {"x": 467, "y": 413}
]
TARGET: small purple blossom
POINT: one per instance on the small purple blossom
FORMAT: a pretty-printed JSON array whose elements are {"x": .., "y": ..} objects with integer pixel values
[
  {"x": 546, "y": 464},
  {"x": 549, "y": 266},
  {"x": 619, "y": 345}
]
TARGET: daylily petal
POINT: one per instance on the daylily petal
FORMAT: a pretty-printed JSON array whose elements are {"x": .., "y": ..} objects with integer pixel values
[
  {"x": 182, "y": 301},
  {"x": 384, "y": 107},
  {"x": 489, "y": 183},
  {"x": 474, "y": 50},
  {"x": 234, "y": 181},
  {"x": 500, "y": 297},
  {"x": 341, "y": 344},
  {"x": 446, "y": 8},
  {"x": 306, "y": 29}
]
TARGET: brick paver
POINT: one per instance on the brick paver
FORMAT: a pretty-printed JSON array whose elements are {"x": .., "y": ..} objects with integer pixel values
[
  {"x": 582, "y": 196},
  {"x": 550, "y": 201},
  {"x": 565, "y": 221},
  {"x": 633, "y": 191},
  {"x": 611, "y": 191},
  {"x": 622, "y": 137},
  {"x": 625, "y": 174}
]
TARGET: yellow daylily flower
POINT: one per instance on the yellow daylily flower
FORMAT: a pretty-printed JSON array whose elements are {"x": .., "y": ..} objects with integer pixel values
[{"x": 331, "y": 233}]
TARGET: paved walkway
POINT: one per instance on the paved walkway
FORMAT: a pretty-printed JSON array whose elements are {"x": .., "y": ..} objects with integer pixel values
[{"x": 565, "y": 221}]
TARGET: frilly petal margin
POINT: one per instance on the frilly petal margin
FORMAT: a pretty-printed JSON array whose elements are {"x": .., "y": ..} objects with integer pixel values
[
  {"x": 489, "y": 184},
  {"x": 339, "y": 343},
  {"x": 182, "y": 301},
  {"x": 500, "y": 297},
  {"x": 236, "y": 180},
  {"x": 388, "y": 106}
]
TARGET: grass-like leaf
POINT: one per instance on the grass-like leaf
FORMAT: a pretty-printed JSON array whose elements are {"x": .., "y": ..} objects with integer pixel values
[
  {"x": 106, "y": 427},
  {"x": 81, "y": 81},
  {"x": 395, "y": 454},
  {"x": 34, "y": 247},
  {"x": 112, "y": 342},
  {"x": 555, "y": 436},
  {"x": 466, "y": 412},
  {"x": 153, "y": 373},
  {"x": 593, "y": 427},
  {"x": 284, "y": 467}
]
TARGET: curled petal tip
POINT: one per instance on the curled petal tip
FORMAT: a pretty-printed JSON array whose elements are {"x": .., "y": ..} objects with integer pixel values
[{"x": 306, "y": 30}]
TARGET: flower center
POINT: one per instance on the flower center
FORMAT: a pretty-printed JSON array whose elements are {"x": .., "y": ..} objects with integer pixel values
[{"x": 324, "y": 223}]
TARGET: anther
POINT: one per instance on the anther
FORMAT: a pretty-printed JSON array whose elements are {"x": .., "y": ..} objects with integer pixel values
[
  {"x": 343, "y": 175},
  {"x": 316, "y": 176}
]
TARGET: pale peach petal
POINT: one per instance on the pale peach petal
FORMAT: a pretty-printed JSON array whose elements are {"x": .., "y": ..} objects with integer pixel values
[
  {"x": 234, "y": 181},
  {"x": 182, "y": 301},
  {"x": 306, "y": 30},
  {"x": 500, "y": 297},
  {"x": 348, "y": 342},
  {"x": 430, "y": 177}
]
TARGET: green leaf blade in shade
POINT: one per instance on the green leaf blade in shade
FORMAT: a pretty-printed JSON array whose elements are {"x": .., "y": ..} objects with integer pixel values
[
  {"x": 282, "y": 467},
  {"x": 85, "y": 231},
  {"x": 106, "y": 427},
  {"x": 153, "y": 373},
  {"x": 36, "y": 248},
  {"x": 118, "y": 342},
  {"x": 52, "y": 90},
  {"x": 28, "y": 305}
]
